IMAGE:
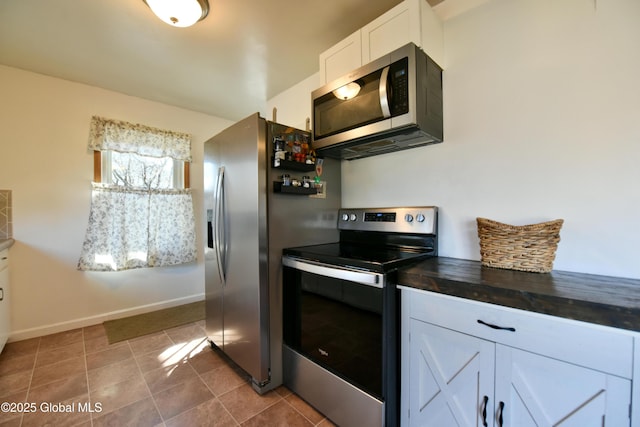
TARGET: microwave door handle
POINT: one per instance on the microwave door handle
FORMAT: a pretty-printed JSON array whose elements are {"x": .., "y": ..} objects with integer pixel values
[{"x": 383, "y": 90}]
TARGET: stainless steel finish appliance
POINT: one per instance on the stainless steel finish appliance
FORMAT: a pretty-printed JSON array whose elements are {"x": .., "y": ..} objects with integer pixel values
[
  {"x": 341, "y": 325},
  {"x": 248, "y": 225},
  {"x": 397, "y": 105}
]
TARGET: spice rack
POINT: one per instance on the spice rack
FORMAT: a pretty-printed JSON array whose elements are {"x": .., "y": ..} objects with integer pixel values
[
  {"x": 294, "y": 166},
  {"x": 290, "y": 189},
  {"x": 291, "y": 152}
]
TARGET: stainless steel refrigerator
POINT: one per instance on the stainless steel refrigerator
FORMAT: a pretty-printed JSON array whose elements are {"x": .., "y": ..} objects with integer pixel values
[{"x": 250, "y": 219}]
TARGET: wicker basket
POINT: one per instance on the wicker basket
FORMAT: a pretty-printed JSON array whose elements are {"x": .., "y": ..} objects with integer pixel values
[{"x": 525, "y": 247}]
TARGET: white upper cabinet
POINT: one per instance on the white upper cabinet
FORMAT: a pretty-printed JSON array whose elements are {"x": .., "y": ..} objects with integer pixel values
[
  {"x": 341, "y": 58},
  {"x": 394, "y": 29},
  {"x": 410, "y": 21}
]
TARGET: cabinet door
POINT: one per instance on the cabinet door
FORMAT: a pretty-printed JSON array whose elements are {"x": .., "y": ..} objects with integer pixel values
[
  {"x": 392, "y": 30},
  {"x": 341, "y": 59},
  {"x": 538, "y": 391},
  {"x": 450, "y": 374},
  {"x": 4, "y": 303}
]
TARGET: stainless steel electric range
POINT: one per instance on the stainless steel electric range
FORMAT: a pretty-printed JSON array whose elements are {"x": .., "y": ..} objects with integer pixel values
[{"x": 340, "y": 312}]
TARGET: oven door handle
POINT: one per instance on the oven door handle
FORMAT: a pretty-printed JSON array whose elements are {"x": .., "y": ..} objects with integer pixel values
[{"x": 344, "y": 273}]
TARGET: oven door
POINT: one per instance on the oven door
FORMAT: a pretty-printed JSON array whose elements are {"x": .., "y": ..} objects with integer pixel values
[
  {"x": 342, "y": 319},
  {"x": 334, "y": 317},
  {"x": 340, "y": 341}
]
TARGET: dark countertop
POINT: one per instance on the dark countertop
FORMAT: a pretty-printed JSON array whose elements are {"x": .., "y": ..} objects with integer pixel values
[{"x": 604, "y": 300}]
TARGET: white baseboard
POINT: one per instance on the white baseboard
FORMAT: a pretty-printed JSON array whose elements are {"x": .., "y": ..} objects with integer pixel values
[{"x": 94, "y": 320}]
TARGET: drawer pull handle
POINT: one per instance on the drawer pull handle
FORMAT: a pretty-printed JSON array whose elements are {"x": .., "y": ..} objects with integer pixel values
[
  {"x": 484, "y": 411},
  {"x": 500, "y": 411},
  {"x": 502, "y": 328}
]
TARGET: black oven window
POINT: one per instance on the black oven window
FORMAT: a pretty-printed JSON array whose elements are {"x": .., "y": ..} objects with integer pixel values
[{"x": 338, "y": 325}]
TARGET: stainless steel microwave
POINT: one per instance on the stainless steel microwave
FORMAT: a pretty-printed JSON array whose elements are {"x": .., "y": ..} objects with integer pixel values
[{"x": 390, "y": 104}]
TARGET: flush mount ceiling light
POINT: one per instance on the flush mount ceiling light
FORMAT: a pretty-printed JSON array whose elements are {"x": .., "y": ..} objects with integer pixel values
[
  {"x": 179, "y": 13},
  {"x": 348, "y": 91}
]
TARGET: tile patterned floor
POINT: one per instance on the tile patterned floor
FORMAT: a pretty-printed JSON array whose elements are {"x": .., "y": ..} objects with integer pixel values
[{"x": 171, "y": 378}]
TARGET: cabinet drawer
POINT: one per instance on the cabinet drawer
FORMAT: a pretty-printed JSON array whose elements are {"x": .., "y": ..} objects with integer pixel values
[
  {"x": 597, "y": 347},
  {"x": 4, "y": 259}
]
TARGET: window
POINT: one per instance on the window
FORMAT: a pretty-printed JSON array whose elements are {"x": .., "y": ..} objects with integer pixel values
[
  {"x": 141, "y": 207},
  {"x": 133, "y": 170}
]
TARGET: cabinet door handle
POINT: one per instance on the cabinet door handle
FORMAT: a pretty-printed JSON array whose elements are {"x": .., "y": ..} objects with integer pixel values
[
  {"x": 502, "y": 328},
  {"x": 485, "y": 400},
  {"x": 1, "y": 294},
  {"x": 500, "y": 411}
]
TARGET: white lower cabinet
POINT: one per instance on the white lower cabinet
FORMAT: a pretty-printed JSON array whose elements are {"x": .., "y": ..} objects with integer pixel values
[
  {"x": 478, "y": 376},
  {"x": 451, "y": 372},
  {"x": 534, "y": 390},
  {"x": 4, "y": 297}
]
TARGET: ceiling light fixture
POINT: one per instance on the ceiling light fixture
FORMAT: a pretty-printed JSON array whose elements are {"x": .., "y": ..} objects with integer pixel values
[
  {"x": 348, "y": 91},
  {"x": 179, "y": 13}
]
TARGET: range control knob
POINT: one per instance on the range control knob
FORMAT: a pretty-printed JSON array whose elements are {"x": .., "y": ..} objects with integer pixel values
[
  {"x": 345, "y": 217},
  {"x": 408, "y": 218},
  {"x": 420, "y": 218},
  {"x": 353, "y": 217}
]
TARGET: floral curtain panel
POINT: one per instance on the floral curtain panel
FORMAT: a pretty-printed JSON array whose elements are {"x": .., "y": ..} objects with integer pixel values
[{"x": 135, "y": 227}]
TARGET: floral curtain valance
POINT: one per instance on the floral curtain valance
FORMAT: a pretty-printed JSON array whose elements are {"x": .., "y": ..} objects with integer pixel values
[{"x": 107, "y": 134}]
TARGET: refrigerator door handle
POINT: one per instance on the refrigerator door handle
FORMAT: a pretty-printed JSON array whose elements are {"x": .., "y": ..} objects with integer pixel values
[{"x": 220, "y": 228}]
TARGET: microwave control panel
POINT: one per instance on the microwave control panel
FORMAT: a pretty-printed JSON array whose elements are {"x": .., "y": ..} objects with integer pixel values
[{"x": 399, "y": 80}]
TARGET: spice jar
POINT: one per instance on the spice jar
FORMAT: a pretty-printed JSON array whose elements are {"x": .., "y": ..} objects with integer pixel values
[{"x": 278, "y": 151}]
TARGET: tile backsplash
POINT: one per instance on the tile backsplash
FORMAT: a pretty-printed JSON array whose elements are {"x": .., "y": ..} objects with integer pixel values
[{"x": 6, "y": 228}]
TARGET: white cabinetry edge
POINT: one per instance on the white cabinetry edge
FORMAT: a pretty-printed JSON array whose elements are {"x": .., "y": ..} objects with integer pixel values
[{"x": 603, "y": 348}]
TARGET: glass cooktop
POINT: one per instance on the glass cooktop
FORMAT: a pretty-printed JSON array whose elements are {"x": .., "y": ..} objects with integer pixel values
[{"x": 377, "y": 258}]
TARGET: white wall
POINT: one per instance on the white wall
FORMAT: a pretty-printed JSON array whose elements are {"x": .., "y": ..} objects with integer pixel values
[
  {"x": 542, "y": 121},
  {"x": 294, "y": 105},
  {"x": 44, "y": 127}
]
